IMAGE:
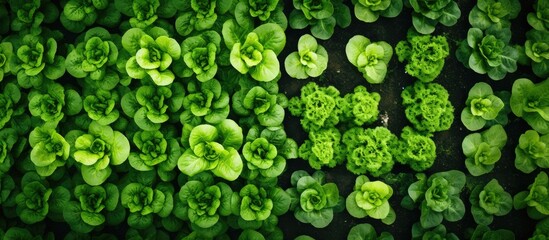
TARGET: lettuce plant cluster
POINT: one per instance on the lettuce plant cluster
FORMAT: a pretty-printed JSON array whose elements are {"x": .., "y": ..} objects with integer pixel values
[{"x": 164, "y": 119}]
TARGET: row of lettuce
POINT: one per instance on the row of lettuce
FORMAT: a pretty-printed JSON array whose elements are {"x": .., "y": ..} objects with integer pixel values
[{"x": 123, "y": 111}]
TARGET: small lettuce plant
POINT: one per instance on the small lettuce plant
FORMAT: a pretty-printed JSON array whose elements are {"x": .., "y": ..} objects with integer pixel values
[
  {"x": 144, "y": 202},
  {"x": 151, "y": 55},
  {"x": 528, "y": 101},
  {"x": 494, "y": 12},
  {"x": 369, "y": 11},
  {"x": 256, "y": 203},
  {"x": 532, "y": 151},
  {"x": 484, "y": 232},
  {"x": 428, "y": 107},
  {"x": 370, "y": 58},
  {"x": 425, "y": 55},
  {"x": 313, "y": 200},
  {"x": 12, "y": 107},
  {"x": 367, "y": 231},
  {"x": 539, "y": 19},
  {"x": 50, "y": 150},
  {"x": 205, "y": 101},
  {"x": 259, "y": 104},
  {"x": 102, "y": 106},
  {"x": 322, "y": 16},
  {"x": 482, "y": 107},
  {"x": 438, "y": 197},
  {"x": 323, "y": 148},
  {"x": 488, "y": 201},
  {"x": 155, "y": 151},
  {"x": 428, "y": 13},
  {"x": 483, "y": 150},
  {"x": 360, "y": 107},
  {"x": 536, "y": 48},
  {"x": 248, "y": 12},
  {"x": 8, "y": 140},
  {"x": 310, "y": 60},
  {"x": 370, "y": 199},
  {"x": 77, "y": 15},
  {"x": 317, "y": 106},
  {"x": 199, "y": 15},
  {"x": 200, "y": 55},
  {"x": 415, "y": 150},
  {"x": 438, "y": 232},
  {"x": 6, "y": 52},
  {"x": 488, "y": 52},
  {"x": 53, "y": 102},
  {"x": 536, "y": 198}
]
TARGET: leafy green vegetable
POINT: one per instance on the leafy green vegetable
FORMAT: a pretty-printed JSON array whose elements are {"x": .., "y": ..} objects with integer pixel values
[
  {"x": 371, "y": 58},
  {"x": 532, "y": 151},
  {"x": 142, "y": 201},
  {"x": 428, "y": 107},
  {"x": 257, "y": 53},
  {"x": 369, "y": 11},
  {"x": 142, "y": 13},
  {"x": 317, "y": 106},
  {"x": 101, "y": 106},
  {"x": 369, "y": 150},
  {"x": 425, "y": 55},
  {"x": 215, "y": 148},
  {"x": 415, "y": 149},
  {"x": 52, "y": 103},
  {"x": 537, "y": 49},
  {"x": 257, "y": 203},
  {"x": 483, "y": 150},
  {"x": 489, "y": 201},
  {"x": 262, "y": 156},
  {"x": 313, "y": 200},
  {"x": 28, "y": 16},
  {"x": 8, "y": 139},
  {"x": 536, "y": 198},
  {"x": 199, "y": 15},
  {"x": 438, "y": 232},
  {"x": 323, "y": 148},
  {"x": 151, "y": 56},
  {"x": 488, "y": 52},
  {"x": 259, "y": 103},
  {"x": 482, "y": 107},
  {"x": 6, "y": 52},
  {"x": 438, "y": 197},
  {"x": 249, "y": 12},
  {"x": 360, "y": 107},
  {"x": 97, "y": 150},
  {"x": 79, "y": 14},
  {"x": 428, "y": 13},
  {"x": 494, "y": 12},
  {"x": 540, "y": 18},
  {"x": 370, "y": 198},
  {"x": 542, "y": 230},
  {"x": 366, "y": 231},
  {"x": 321, "y": 15},
  {"x": 205, "y": 101},
  {"x": 310, "y": 60},
  {"x": 484, "y": 232},
  {"x": 200, "y": 55},
  {"x": 49, "y": 150},
  {"x": 155, "y": 151},
  {"x": 529, "y": 101}
]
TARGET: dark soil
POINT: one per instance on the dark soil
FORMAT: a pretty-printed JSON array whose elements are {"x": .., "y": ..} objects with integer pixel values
[{"x": 456, "y": 78}]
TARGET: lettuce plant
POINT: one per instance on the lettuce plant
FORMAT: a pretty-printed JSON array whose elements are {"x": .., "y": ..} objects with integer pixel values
[
  {"x": 152, "y": 54},
  {"x": 49, "y": 150},
  {"x": 258, "y": 203},
  {"x": 318, "y": 107},
  {"x": 536, "y": 48},
  {"x": 199, "y": 15},
  {"x": 529, "y": 101},
  {"x": 488, "y": 201},
  {"x": 369, "y": 150},
  {"x": 36, "y": 60},
  {"x": 483, "y": 150},
  {"x": 144, "y": 201},
  {"x": 203, "y": 200},
  {"x": 428, "y": 13},
  {"x": 97, "y": 150},
  {"x": 8, "y": 139},
  {"x": 482, "y": 108},
  {"x": 539, "y": 19},
  {"x": 370, "y": 199},
  {"x": 249, "y": 234},
  {"x": 257, "y": 53},
  {"x": 438, "y": 232},
  {"x": 150, "y": 105},
  {"x": 92, "y": 207},
  {"x": 37, "y": 200},
  {"x": 532, "y": 151},
  {"x": 415, "y": 149},
  {"x": 262, "y": 156},
  {"x": 371, "y": 58},
  {"x": 484, "y": 232},
  {"x": 488, "y": 52},
  {"x": 535, "y": 199},
  {"x": 6, "y": 53},
  {"x": 200, "y": 55},
  {"x": 428, "y": 107},
  {"x": 364, "y": 231},
  {"x": 102, "y": 106},
  {"x": 205, "y": 101},
  {"x": 53, "y": 102},
  {"x": 145, "y": 13},
  {"x": 542, "y": 230},
  {"x": 494, "y": 12},
  {"x": 77, "y": 15},
  {"x": 9, "y": 99},
  {"x": 322, "y": 16},
  {"x": 94, "y": 59},
  {"x": 214, "y": 148},
  {"x": 310, "y": 60},
  {"x": 28, "y": 16},
  {"x": 323, "y": 148},
  {"x": 360, "y": 107},
  {"x": 156, "y": 152},
  {"x": 248, "y": 12},
  {"x": 369, "y": 11},
  {"x": 438, "y": 197},
  {"x": 313, "y": 200},
  {"x": 263, "y": 105},
  {"x": 425, "y": 55}
]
